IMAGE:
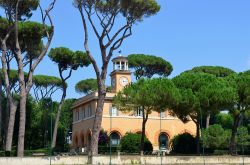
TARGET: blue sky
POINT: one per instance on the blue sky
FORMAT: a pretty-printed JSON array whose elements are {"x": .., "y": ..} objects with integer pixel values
[{"x": 187, "y": 33}]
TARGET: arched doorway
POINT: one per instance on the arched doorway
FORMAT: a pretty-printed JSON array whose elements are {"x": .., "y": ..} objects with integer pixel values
[
  {"x": 82, "y": 140},
  {"x": 163, "y": 141},
  {"x": 115, "y": 139},
  {"x": 75, "y": 141}
]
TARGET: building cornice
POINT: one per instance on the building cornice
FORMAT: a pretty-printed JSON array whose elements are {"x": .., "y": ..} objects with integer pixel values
[{"x": 92, "y": 96}]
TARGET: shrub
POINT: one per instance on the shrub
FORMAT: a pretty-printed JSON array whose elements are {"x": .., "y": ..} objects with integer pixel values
[
  {"x": 225, "y": 120},
  {"x": 184, "y": 144},
  {"x": 103, "y": 139},
  {"x": 243, "y": 138},
  {"x": 131, "y": 142},
  {"x": 215, "y": 137}
]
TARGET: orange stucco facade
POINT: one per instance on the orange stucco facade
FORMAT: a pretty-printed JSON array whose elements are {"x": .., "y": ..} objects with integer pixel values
[{"x": 119, "y": 122}]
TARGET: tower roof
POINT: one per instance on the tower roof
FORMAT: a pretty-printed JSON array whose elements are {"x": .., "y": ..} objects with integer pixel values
[{"x": 120, "y": 58}]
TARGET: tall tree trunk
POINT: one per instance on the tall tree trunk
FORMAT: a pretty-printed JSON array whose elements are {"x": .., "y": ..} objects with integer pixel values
[
  {"x": 58, "y": 117},
  {"x": 1, "y": 118},
  {"x": 23, "y": 92},
  {"x": 144, "y": 121},
  {"x": 12, "y": 105},
  {"x": 197, "y": 138},
  {"x": 97, "y": 123},
  {"x": 208, "y": 119},
  {"x": 22, "y": 122},
  {"x": 6, "y": 122},
  {"x": 11, "y": 123},
  {"x": 232, "y": 145}
]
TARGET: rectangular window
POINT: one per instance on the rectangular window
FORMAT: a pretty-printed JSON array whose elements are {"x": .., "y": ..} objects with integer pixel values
[
  {"x": 113, "y": 111},
  {"x": 77, "y": 115},
  {"x": 80, "y": 118},
  {"x": 162, "y": 114},
  {"x": 115, "y": 142},
  {"x": 74, "y": 116},
  {"x": 83, "y": 113},
  {"x": 138, "y": 112},
  {"x": 90, "y": 110}
]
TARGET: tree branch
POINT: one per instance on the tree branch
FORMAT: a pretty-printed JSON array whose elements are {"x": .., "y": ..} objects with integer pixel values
[
  {"x": 86, "y": 46},
  {"x": 45, "y": 49}
]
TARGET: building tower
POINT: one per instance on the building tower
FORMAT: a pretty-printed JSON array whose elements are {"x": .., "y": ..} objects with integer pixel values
[{"x": 120, "y": 76}]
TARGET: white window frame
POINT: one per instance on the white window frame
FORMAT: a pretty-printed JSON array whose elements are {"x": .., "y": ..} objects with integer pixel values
[
  {"x": 138, "y": 112},
  {"x": 113, "y": 111},
  {"x": 162, "y": 114}
]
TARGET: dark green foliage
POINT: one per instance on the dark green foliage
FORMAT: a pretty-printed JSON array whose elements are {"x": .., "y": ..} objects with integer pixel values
[
  {"x": 204, "y": 91},
  {"x": 25, "y": 7},
  {"x": 149, "y": 95},
  {"x": 86, "y": 86},
  {"x": 154, "y": 94},
  {"x": 103, "y": 139},
  {"x": 148, "y": 65},
  {"x": 225, "y": 120},
  {"x": 30, "y": 36},
  {"x": 46, "y": 81},
  {"x": 183, "y": 144},
  {"x": 247, "y": 72},
  {"x": 103, "y": 143},
  {"x": 66, "y": 59},
  {"x": 241, "y": 83},
  {"x": 132, "y": 10},
  {"x": 38, "y": 121},
  {"x": 13, "y": 76},
  {"x": 243, "y": 138},
  {"x": 241, "y": 106},
  {"x": 218, "y": 71},
  {"x": 130, "y": 143},
  {"x": 215, "y": 137},
  {"x": 65, "y": 125}
]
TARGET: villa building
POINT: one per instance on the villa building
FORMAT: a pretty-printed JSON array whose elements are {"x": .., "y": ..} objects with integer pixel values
[{"x": 160, "y": 127}]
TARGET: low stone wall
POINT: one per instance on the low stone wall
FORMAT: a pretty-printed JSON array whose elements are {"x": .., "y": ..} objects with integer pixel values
[{"x": 173, "y": 160}]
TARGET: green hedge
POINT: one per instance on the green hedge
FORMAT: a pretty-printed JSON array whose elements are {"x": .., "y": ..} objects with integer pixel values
[
  {"x": 183, "y": 144},
  {"x": 130, "y": 143},
  {"x": 106, "y": 149}
]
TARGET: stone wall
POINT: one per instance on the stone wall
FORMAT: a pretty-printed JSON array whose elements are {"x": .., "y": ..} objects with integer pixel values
[{"x": 79, "y": 160}]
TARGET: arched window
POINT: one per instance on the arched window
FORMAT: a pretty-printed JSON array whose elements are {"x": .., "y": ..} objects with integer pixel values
[
  {"x": 163, "y": 141},
  {"x": 115, "y": 139}
]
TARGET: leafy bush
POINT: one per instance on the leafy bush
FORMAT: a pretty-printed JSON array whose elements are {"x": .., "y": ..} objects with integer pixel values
[
  {"x": 243, "y": 138},
  {"x": 131, "y": 142},
  {"x": 225, "y": 120},
  {"x": 103, "y": 139},
  {"x": 184, "y": 144},
  {"x": 215, "y": 137}
]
